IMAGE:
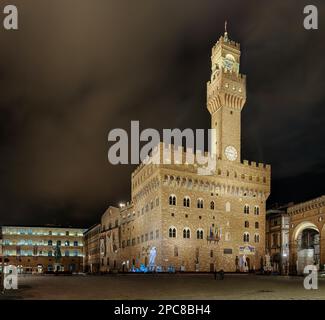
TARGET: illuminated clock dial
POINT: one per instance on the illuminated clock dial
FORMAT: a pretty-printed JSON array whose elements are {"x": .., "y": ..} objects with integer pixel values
[
  {"x": 231, "y": 153},
  {"x": 228, "y": 64}
]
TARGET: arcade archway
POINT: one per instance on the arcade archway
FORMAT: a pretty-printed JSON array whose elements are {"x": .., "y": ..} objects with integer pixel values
[{"x": 306, "y": 240}]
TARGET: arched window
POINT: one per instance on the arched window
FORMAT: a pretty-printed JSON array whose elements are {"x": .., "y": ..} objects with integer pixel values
[
  {"x": 227, "y": 236},
  {"x": 187, "y": 202},
  {"x": 228, "y": 207},
  {"x": 257, "y": 225},
  {"x": 257, "y": 210},
  {"x": 172, "y": 232},
  {"x": 246, "y": 237},
  {"x": 200, "y": 203},
  {"x": 212, "y": 205},
  {"x": 246, "y": 209},
  {"x": 199, "y": 234},
  {"x": 172, "y": 200},
  {"x": 186, "y": 233},
  {"x": 257, "y": 238},
  {"x": 246, "y": 224}
]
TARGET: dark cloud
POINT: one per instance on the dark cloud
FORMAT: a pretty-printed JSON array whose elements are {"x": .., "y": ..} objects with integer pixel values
[{"x": 78, "y": 68}]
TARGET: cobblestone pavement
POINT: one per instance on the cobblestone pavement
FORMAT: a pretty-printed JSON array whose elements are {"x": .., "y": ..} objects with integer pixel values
[{"x": 185, "y": 286}]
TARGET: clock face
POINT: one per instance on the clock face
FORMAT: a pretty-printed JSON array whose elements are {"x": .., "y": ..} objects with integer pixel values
[
  {"x": 228, "y": 64},
  {"x": 231, "y": 153}
]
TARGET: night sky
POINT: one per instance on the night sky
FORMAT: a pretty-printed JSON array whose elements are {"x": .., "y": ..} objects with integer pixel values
[{"x": 77, "y": 69}]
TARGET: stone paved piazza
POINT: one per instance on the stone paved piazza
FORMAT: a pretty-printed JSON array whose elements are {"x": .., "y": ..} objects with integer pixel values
[{"x": 163, "y": 286}]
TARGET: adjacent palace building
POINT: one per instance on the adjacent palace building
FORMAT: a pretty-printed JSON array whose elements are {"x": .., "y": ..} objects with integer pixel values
[
  {"x": 42, "y": 249},
  {"x": 192, "y": 222}
]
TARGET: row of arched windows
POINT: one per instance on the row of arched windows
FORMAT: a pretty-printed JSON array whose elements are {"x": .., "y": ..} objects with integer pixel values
[
  {"x": 257, "y": 225},
  {"x": 246, "y": 237},
  {"x": 256, "y": 210},
  {"x": 172, "y": 232},
  {"x": 200, "y": 235},
  {"x": 200, "y": 204},
  {"x": 187, "y": 202}
]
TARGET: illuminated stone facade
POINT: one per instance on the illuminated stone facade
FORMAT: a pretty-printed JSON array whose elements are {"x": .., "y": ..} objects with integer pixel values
[
  {"x": 307, "y": 234},
  {"x": 91, "y": 249},
  {"x": 197, "y": 223},
  {"x": 31, "y": 249},
  {"x": 277, "y": 239}
]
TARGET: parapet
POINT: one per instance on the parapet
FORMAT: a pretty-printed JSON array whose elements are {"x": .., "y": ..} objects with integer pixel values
[{"x": 256, "y": 165}]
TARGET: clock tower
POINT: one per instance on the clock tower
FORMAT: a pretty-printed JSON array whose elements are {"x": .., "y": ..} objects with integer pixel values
[{"x": 226, "y": 97}]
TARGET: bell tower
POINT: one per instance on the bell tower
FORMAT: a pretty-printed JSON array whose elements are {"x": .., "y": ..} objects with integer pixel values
[{"x": 226, "y": 97}]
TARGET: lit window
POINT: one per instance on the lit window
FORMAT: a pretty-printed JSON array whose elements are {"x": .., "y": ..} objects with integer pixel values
[
  {"x": 257, "y": 238},
  {"x": 186, "y": 233},
  {"x": 172, "y": 200},
  {"x": 256, "y": 210},
  {"x": 186, "y": 202},
  {"x": 172, "y": 232},
  {"x": 199, "y": 234}
]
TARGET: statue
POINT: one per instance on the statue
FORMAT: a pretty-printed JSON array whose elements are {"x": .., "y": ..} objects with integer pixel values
[
  {"x": 10, "y": 278},
  {"x": 152, "y": 257},
  {"x": 57, "y": 256},
  {"x": 267, "y": 267},
  {"x": 237, "y": 264},
  {"x": 245, "y": 265}
]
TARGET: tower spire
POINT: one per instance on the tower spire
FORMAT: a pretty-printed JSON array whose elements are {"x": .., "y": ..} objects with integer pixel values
[{"x": 226, "y": 32}]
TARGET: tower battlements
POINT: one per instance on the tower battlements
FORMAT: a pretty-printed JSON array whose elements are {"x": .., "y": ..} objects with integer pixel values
[{"x": 225, "y": 41}]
